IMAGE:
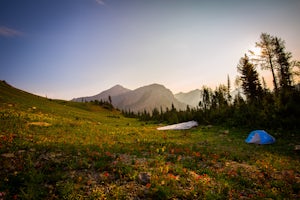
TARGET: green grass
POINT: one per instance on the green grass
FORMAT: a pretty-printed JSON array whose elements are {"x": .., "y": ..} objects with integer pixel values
[{"x": 53, "y": 149}]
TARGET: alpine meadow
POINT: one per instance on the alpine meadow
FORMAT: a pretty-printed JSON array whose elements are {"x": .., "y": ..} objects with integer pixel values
[
  {"x": 142, "y": 100},
  {"x": 56, "y": 149}
]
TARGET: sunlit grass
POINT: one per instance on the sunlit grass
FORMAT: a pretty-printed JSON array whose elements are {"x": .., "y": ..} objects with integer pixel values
[{"x": 65, "y": 150}]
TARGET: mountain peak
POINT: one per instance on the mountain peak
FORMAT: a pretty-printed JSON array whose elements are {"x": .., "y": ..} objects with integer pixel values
[
  {"x": 117, "y": 86},
  {"x": 147, "y": 98},
  {"x": 156, "y": 87},
  {"x": 115, "y": 90},
  {"x": 144, "y": 98}
]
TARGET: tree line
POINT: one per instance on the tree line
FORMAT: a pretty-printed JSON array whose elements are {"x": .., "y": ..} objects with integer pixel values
[
  {"x": 104, "y": 104},
  {"x": 255, "y": 105}
]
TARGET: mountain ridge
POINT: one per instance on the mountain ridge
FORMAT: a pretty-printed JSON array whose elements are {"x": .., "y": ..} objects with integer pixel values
[
  {"x": 143, "y": 98},
  {"x": 104, "y": 95},
  {"x": 191, "y": 98}
]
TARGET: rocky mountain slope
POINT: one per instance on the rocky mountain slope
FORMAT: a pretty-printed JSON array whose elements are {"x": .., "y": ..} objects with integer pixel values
[
  {"x": 143, "y": 98},
  {"x": 191, "y": 98}
]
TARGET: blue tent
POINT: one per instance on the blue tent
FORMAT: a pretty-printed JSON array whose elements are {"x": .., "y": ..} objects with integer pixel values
[{"x": 260, "y": 137}]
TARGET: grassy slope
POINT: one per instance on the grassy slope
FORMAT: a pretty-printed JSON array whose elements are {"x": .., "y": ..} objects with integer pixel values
[{"x": 52, "y": 149}]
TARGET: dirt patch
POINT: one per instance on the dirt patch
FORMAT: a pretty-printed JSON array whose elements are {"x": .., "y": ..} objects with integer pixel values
[
  {"x": 246, "y": 167},
  {"x": 45, "y": 124}
]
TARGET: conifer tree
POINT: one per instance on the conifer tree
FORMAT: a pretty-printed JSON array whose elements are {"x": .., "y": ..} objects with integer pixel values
[
  {"x": 267, "y": 57},
  {"x": 229, "y": 97},
  {"x": 109, "y": 99},
  {"x": 206, "y": 98},
  {"x": 249, "y": 78},
  {"x": 284, "y": 66}
]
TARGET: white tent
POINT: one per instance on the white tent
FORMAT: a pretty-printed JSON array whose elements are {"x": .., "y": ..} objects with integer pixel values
[{"x": 180, "y": 126}]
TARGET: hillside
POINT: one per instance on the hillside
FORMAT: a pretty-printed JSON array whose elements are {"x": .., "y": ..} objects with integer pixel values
[
  {"x": 15, "y": 100},
  {"x": 54, "y": 149}
]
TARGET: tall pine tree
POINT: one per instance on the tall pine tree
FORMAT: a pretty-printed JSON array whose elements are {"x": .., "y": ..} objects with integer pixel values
[
  {"x": 267, "y": 57},
  {"x": 283, "y": 64},
  {"x": 249, "y": 78}
]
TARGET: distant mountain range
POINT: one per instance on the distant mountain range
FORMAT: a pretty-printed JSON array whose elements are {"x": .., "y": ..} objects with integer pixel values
[
  {"x": 191, "y": 98},
  {"x": 145, "y": 98}
]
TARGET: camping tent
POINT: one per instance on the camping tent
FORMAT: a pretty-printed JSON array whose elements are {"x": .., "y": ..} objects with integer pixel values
[
  {"x": 260, "y": 137},
  {"x": 180, "y": 126}
]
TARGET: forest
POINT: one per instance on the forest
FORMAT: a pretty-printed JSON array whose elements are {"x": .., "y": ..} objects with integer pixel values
[{"x": 255, "y": 105}]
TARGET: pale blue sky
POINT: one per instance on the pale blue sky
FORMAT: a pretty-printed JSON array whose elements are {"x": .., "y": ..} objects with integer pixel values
[{"x": 72, "y": 48}]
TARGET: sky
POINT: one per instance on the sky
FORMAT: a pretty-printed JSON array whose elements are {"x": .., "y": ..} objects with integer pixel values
[{"x": 71, "y": 48}]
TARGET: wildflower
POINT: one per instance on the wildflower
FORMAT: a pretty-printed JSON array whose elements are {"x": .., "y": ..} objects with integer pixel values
[
  {"x": 106, "y": 174},
  {"x": 172, "y": 176},
  {"x": 197, "y": 154},
  {"x": 108, "y": 154}
]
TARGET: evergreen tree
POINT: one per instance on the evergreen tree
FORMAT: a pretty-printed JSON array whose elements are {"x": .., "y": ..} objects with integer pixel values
[
  {"x": 229, "y": 97},
  {"x": 109, "y": 99},
  {"x": 249, "y": 77},
  {"x": 173, "y": 107},
  {"x": 155, "y": 114},
  {"x": 267, "y": 57},
  {"x": 284, "y": 66},
  {"x": 206, "y": 98}
]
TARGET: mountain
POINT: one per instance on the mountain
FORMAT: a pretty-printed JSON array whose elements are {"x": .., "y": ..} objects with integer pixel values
[
  {"x": 143, "y": 98},
  {"x": 191, "y": 98},
  {"x": 147, "y": 98},
  {"x": 114, "y": 91}
]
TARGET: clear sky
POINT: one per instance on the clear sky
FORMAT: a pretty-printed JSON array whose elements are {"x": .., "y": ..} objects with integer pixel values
[{"x": 71, "y": 48}]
